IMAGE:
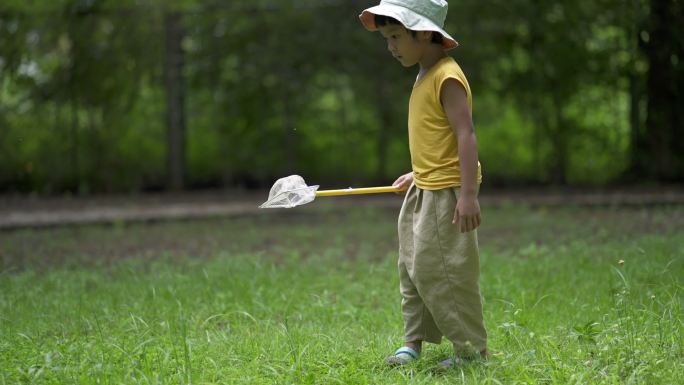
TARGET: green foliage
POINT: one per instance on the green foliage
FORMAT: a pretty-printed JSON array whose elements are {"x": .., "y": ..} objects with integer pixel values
[{"x": 276, "y": 88}]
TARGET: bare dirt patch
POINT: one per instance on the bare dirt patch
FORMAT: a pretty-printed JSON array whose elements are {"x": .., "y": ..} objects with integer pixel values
[{"x": 346, "y": 228}]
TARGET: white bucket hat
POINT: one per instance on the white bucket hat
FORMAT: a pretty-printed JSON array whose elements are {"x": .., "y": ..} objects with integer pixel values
[{"x": 416, "y": 15}]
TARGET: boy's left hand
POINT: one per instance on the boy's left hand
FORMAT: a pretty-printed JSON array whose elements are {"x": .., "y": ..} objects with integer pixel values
[{"x": 467, "y": 214}]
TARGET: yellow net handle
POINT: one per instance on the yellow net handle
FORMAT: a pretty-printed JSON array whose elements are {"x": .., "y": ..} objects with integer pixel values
[{"x": 354, "y": 191}]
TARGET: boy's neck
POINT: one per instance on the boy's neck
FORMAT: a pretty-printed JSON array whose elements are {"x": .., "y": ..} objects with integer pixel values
[{"x": 431, "y": 56}]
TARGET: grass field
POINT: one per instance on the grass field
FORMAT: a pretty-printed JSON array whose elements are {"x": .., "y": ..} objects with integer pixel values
[{"x": 310, "y": 296}]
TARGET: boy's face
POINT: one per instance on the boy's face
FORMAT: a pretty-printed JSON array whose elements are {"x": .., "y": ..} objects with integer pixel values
[{"x": 402, "y": 44}]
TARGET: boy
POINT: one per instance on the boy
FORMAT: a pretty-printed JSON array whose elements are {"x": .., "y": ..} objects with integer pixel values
[{"x": 438, "y": 252}]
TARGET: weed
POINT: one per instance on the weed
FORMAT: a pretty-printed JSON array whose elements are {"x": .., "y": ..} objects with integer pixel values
[{"x": 312, "y": 300}]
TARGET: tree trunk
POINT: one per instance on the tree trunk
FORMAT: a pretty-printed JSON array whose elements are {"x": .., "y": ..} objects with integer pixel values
[
  {"x": 75, "y": 147},
  {"x": 663, "y": 158},
  {"x": 289, "y": 132},
  {"x": 175, "y": 101},
  {"x": 636, "y": 128},
  {"x": 559, "y": 141},
  {"x": 385, "y": 109},
  {"x": 634, "y": 24}
]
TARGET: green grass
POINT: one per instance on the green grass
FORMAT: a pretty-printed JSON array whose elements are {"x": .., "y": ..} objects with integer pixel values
[{"x": 311, "y": 296}]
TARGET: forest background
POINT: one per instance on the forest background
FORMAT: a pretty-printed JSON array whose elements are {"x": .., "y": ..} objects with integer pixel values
[{"x": 149, "y": 95}]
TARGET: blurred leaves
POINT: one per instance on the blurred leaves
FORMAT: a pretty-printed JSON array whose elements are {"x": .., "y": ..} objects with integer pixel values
[{"x": 284, "y": 87}]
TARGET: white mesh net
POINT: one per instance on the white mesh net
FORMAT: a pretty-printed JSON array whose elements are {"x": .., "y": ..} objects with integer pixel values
[{"x": 289, "y": 192}]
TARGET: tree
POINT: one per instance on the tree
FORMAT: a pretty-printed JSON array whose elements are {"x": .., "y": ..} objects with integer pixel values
[
  {"x": 175, "y": 100},
  {"x": 660, "y": 144}
]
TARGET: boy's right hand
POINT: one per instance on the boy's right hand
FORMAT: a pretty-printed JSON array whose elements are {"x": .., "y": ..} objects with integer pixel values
[{"x": 404, "y": 181}]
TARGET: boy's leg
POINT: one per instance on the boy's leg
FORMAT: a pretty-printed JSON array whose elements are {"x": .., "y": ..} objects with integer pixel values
[
  {"x": 446, "y": 272},
  {"x": 418, "y": 321},
  {"x": 419, "y": 324}
]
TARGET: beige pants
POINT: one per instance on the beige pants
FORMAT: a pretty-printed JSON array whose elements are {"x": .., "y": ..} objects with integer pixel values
[{"x": 439, "y": 271}]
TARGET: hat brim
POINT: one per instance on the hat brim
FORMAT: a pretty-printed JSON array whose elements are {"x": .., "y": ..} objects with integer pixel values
[{"x": 408, "y": 19}]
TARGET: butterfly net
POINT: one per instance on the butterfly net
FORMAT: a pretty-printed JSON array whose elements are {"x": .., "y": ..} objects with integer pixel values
[{"x": 289, "y": 192}]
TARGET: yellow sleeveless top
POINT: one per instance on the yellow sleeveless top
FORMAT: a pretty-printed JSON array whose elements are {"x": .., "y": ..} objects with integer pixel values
[{"x": 432, "y": 142}]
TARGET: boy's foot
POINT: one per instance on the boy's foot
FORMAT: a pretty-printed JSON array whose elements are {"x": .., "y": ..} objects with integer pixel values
[
  {"x": 451, "y": 363},
  {"x": 455, "y": 361},
  {"x": 403, "y": 356}
]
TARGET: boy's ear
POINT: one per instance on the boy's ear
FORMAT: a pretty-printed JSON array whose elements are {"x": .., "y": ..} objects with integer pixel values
[{"x": 425, "y": 35}]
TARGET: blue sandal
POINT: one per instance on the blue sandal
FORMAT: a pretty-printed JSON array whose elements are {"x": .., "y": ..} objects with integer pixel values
[{"x": 403, "y": 356}]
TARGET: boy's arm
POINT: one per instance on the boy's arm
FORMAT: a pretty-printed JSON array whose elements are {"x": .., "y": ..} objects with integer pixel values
[{"x": 455, "y": 101}]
